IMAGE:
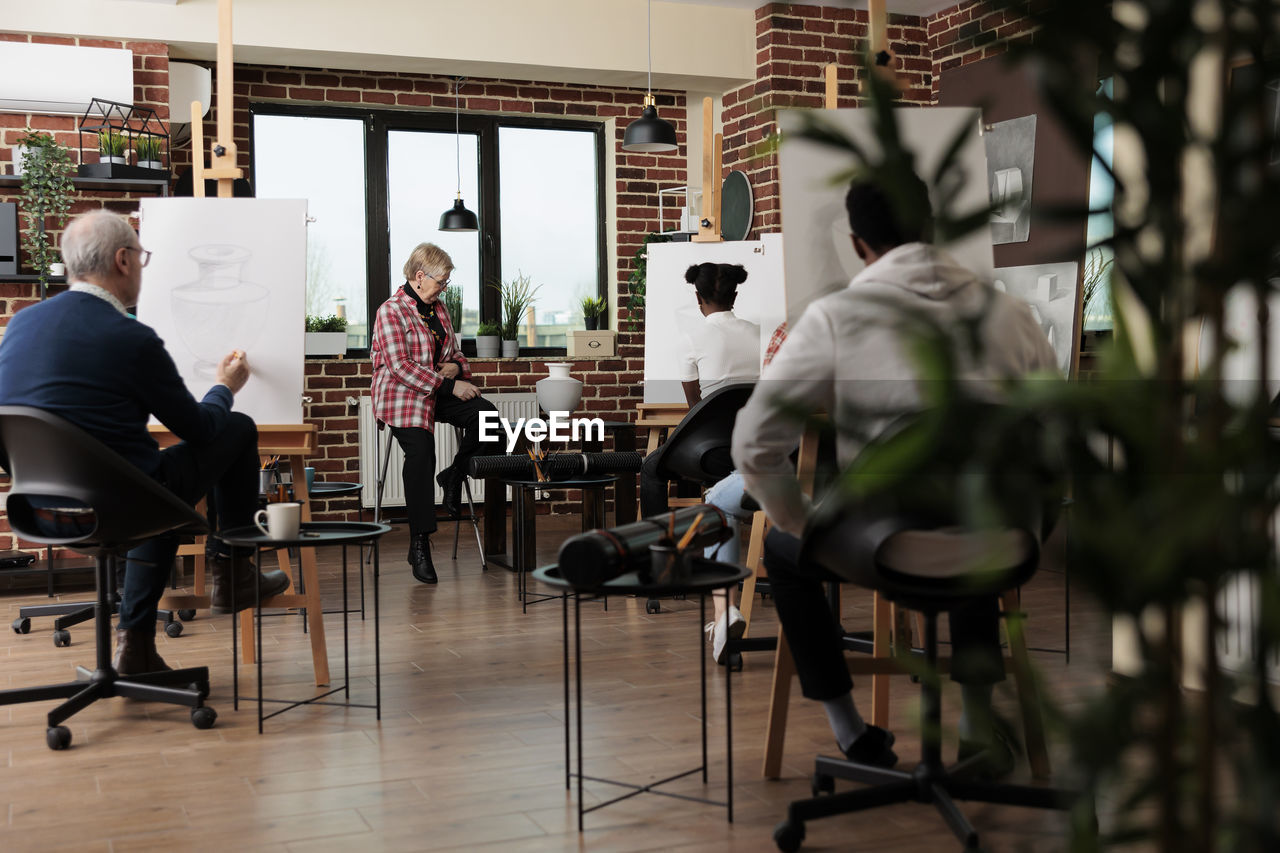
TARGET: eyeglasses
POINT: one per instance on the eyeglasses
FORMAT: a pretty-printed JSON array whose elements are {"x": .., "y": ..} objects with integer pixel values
[
  {"x": 146, "y": 256},
  {"x": 442, "y": 283}
]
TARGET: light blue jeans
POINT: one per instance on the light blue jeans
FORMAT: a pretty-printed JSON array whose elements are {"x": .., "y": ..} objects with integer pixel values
[{"x": 726, "y": 496}]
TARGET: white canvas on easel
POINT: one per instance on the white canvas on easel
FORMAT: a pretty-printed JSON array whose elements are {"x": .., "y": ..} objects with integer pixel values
[
  {"x": 227, "y": 274},
  {"x": 819, "y": 255},
  {"x": 671, "y": 305}
]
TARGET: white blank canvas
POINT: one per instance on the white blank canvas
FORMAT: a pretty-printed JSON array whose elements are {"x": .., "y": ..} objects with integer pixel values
[
  {"x": 819, "y": 255},
  {"x": 227, "y": 274},
  {"x": 671, "y": 307}
]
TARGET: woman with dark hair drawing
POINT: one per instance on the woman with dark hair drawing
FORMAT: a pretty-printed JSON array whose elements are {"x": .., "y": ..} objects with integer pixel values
[{"x": 723, "y": 349}]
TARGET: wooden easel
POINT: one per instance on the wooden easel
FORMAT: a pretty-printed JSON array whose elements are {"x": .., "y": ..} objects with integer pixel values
[
  {"x": 889, "y": 628},
  {"x": 712, "y": 165},
  {"x": 292, "y": 442}
]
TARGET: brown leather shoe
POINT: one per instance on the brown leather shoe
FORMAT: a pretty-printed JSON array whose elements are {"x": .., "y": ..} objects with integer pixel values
[
  {"x": 220, "y": 569},
  {"x": 136, "y": 653}
]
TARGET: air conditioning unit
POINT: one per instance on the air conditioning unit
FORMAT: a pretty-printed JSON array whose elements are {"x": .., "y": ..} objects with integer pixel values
[{"x": 60, "y": 79}]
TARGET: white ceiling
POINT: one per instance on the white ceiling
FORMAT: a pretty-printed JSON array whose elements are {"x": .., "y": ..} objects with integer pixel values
[{"x": 903, "y": 7}]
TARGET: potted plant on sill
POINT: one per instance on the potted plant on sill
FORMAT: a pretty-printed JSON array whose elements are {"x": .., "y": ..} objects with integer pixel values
[
  {"x": 146, "y": 150},
  {"x": 111, "y": 147},
  {"x": 46, "y": 192},
  {"x": 518, "y": 296},
  {"x": 326, "y": 335},
  {"x": 593, "y": 309},
  {"x": 453, "y": 304},
  {"x": 488, "y": 337}
]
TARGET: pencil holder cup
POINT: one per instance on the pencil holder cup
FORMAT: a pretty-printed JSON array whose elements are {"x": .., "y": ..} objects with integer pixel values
[{"x": 667, "y": 565}]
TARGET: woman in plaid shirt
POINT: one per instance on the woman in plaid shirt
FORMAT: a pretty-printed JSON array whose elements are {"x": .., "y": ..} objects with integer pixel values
[{"x": 420, "y": 377}]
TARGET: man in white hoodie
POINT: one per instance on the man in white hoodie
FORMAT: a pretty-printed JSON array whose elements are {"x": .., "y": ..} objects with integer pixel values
[{"x": 847, "y": 355}]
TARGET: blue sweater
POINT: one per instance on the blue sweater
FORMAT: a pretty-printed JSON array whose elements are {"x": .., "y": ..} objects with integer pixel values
[{"x": 78, "y": 357}]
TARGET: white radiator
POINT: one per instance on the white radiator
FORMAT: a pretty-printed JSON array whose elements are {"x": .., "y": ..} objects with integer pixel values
[{"x": 510, "y": 406}]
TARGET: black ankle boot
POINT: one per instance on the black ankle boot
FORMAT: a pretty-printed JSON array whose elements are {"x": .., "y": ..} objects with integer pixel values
[
  {"x": 420, "y": 558},
  {"x": 450, "y": 480}
]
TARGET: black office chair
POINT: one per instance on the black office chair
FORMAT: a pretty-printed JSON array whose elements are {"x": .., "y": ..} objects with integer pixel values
[
  {"x": 697, "y": 450},
  {"x": 875, "y": 549},
  {"x": 71, "y": 490}
]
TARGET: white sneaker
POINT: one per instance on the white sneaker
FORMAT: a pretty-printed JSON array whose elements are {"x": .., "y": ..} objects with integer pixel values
[{"x": 719, "y": 632}]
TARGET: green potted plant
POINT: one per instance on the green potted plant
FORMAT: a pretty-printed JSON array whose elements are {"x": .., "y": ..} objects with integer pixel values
[
  {"x": 518, "y": 296},
  {"x": 110, "y": 147},
  {"x": 46, "y": 193},
  {"x": 593, "y": 309},
  {"x": 146, "y": 150},
  {"x": 453, "y": 304},
  {"x": 326, "y": 335},
  {"x": 488, "y": 338}
]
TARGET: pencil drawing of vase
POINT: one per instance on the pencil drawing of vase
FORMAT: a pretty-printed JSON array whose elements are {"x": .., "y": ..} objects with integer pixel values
[{"x": 219, "y": 311}]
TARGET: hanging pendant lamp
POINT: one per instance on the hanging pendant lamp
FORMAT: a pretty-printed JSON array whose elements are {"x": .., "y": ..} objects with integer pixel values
[
  {"x": 458, "y": 218},
  {"x": 649, "y": 134}
]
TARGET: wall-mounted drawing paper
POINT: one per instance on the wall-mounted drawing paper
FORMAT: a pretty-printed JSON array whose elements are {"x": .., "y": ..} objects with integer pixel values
[
  {"x": 227, "y": 274},
  {"x": 1053, "y": 292},
  {"x": 671, "y": 306},
  {"x": 819, "y": 255},
  {"x": 1011, "y": 152}
]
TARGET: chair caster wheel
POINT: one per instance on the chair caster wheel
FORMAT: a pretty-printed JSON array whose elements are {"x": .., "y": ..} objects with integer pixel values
[
  {"x": 22, "y": 626},
  {"x": 186, "y": 615},
  {"x": 203, "y": 718},
  {"x": 173, "y": 630},
  {"x": 652, "y": 607},
  {"x": 788, "y": 836},
  {"x": 821, "y": 783},
  {"x": 58, "y": 737},
  {"x": 733, "y": 662},
  {"x": 61, "y": 638}
]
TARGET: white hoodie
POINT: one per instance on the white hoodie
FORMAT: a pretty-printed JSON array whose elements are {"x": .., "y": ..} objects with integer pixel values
[{"x": 846, "y": 354}]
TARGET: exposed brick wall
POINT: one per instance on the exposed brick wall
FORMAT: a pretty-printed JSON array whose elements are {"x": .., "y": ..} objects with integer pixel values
[
  {"x": 794, "y": 44},
  {"x": 970, "y": 31}
]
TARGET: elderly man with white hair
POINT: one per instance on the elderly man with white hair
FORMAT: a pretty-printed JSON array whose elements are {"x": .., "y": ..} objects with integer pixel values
[{"x": 81, "y": 356}]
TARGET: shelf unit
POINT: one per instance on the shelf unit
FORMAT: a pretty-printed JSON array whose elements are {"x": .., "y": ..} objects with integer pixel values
[{"x": 117, "y": 185}]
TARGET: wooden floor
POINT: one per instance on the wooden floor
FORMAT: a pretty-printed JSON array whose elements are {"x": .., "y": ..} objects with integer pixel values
[{"x": 469, "y": 753}]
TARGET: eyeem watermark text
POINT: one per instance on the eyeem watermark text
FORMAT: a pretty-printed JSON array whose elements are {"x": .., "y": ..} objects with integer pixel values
[{"x": 560, "y": 427}]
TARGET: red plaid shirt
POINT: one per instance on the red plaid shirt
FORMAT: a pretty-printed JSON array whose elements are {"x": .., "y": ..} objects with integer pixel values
[{"x": 403, "y": 351}]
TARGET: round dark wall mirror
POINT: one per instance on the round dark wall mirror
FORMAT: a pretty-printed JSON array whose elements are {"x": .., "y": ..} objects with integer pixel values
[{"x": 735, "y": 207}]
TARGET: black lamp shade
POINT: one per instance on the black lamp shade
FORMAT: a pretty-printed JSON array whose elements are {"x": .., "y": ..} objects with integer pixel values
[
  {"x": 458, "y": 218},
  {"x": 649, "y": 133}
]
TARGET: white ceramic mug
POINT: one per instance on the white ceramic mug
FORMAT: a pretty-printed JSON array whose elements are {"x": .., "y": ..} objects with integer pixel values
[{"x": 283, "y": 520}]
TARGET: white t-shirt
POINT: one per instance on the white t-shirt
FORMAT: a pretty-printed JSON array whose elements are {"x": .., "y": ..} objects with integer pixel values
[{"x": 726, "y": 349}]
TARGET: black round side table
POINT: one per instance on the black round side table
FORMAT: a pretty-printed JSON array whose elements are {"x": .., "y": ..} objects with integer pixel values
[
  {"x": 312, "y": 534},
  {"x": 706, "y": 576},
  {"x": 524, "y": 525}
]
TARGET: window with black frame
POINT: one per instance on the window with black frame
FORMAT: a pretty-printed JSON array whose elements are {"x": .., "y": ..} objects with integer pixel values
[{"x": 536, "y": 186}]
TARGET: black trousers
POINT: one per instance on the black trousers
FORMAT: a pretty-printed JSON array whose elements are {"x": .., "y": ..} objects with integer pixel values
[
  {"x": 226, "y": 469},
  {"x": 815, "y": 638},
  {"x": 655, "y": 490},
  {"x": 419, "y": 446}
]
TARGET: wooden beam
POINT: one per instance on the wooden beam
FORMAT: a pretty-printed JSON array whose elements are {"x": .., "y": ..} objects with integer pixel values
[
  {"x": 197, "y": 149},
  {"x": 833, "y": 88},
  {"x": 878, "y": 14},
  {"x": 710, "y": 231},
  {"x": 223, "y": 165}
]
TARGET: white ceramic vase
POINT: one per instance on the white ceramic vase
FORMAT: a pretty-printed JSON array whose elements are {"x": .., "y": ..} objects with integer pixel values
[
  {"x": 488, "y": 346},
  {"x": 559, "y": 392},
  {"x": 510, "y": 349}
]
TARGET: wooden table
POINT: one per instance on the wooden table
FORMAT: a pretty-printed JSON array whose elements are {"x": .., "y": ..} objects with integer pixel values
[{"x": 293, "y": 443}]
